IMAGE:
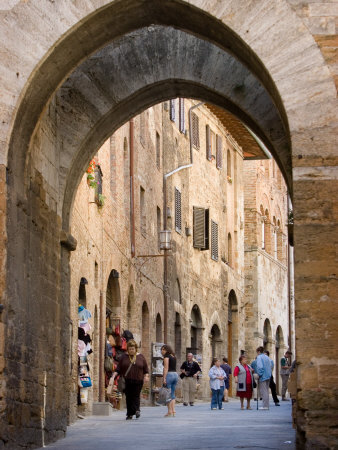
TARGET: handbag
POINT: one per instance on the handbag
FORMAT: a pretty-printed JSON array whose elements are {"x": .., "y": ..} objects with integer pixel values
[
  {"x": 121, "y": 384},
  {"x": 86, "y": 382},
  {"x": 164, "y": 396}
]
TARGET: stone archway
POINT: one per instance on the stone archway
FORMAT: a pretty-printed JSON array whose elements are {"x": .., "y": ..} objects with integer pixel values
[
  {"x": 49, "y": 144},
  {"x": 113, "y": 300},
  {"x": 267, "y": 336}
]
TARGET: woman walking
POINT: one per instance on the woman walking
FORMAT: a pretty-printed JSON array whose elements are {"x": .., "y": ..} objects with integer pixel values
[
  {"x": 217, "y": 377},
  {"x": 170, "y": 376},
  {"x": 244, "y": 379},
  {"x": 133, "y": 367}
]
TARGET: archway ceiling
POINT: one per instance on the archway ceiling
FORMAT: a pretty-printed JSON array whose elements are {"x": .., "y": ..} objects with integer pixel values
[{"x": 148, "y": 66}]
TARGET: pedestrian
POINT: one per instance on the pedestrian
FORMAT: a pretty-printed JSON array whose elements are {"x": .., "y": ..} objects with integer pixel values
[
  {"x": 227, "y": 369},
  {"x": 264, "y": 372},
  {"x": 256, "y": 379},
  {"x": 272, "y": 383},
  {"x": 133, "y": 367},
  {"x": 285, "y": 364},
  {"x": 170, "y": 376},
  {"x": 190, "y": 370},
  {"x": 244, "y": 379},
  {"x": 217, "y": 377}
]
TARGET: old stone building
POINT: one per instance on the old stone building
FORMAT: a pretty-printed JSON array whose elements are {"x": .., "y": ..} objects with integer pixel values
[
  {"x": 71, "y": 74},
  {"x": 210, "y": 300}
]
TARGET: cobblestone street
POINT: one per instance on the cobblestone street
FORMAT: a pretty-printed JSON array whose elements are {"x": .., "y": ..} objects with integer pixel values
[{"x": 193, "y": 428}]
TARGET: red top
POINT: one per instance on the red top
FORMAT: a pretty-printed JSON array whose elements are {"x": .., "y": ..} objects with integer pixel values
[{"x": 248, "y": 373}]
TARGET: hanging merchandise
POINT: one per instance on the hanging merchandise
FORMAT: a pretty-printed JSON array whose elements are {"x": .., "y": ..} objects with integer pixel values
[
  {"x": 84, "y": 314},
  {"x": 85, "y": 326},
  {"x": 81, "y": 348},
  {"x": 83, "y": 395},
  {"x": 86, "y": 381}
]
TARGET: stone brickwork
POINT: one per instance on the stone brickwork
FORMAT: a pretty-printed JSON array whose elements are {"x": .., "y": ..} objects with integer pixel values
[{"x": 58, "y": 106}]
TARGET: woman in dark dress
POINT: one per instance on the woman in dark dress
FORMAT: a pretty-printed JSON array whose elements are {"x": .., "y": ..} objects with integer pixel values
[
  {"x": 244, "y": 379},
  {"x": 133, "y": 366},
  {"x": 170, "y": 376}
]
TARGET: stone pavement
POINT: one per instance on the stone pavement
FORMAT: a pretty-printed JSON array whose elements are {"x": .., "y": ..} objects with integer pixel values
[{"x": 194, "y": 427}]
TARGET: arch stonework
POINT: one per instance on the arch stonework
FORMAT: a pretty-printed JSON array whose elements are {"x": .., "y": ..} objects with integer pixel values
[{"x": 277, "y": 60}]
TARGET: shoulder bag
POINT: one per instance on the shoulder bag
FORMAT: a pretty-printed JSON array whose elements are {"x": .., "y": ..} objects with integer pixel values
[{"x": 121, "y": 384}]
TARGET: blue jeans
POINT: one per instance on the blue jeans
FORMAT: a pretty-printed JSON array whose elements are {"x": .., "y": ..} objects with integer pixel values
[
  {"x": 217, "y": 398},
  {"x": 171, "y": 380}
]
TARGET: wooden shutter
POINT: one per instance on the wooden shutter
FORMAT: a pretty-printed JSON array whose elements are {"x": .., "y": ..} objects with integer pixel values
[
  {"x": 208, "y": 143},
  {"x": 178, "y": 211},
  {"x": 172, "y": 110},
  {"x": 214, "y": 240},
  {"x": 199, "y": 227},
  {"x": 181, "y": 112},
  {"x": 218, "y": 152},
  {"x": 195, "y": 130}
]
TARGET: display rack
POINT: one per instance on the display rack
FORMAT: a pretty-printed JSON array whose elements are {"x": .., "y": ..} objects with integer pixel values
[{"x": 156, "y": 369}]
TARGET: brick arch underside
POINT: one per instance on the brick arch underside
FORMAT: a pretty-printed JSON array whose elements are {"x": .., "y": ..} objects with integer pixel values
[{"x": 300, "y": 96}]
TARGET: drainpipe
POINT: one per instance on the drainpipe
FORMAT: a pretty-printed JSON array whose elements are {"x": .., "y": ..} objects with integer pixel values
[
  {"x": 165, "y": 222},
  {"x": 289, "y": 280},
  {"x": 102, "y": 344},
  {"x": 131, "y": 174}
]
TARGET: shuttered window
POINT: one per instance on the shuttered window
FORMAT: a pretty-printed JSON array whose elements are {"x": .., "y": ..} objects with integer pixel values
[
  {"x": 208, "y": 143},
  {"x": 195, "y": 130},
  {"x": 214, "y": 240},
  {"x": 172, "y": 110},
  {"x": 182, "y": 120},
  {"x": 218, "y": 152},
  {"x": 201, "y": 228},
  {"x": 178, "y": 211}
]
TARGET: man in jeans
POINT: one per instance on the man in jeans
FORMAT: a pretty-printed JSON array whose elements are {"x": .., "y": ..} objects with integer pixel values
[
  {"x": 264, "y": 372},
  {"x": 190, "y": 371}
]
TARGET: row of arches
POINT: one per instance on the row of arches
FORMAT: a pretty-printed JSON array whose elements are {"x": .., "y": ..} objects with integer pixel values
[
  {"x": 275, "y": 345},
  {"x": 271, "y": 234}
]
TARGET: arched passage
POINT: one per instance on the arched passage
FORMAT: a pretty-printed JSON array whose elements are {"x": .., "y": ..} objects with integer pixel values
[
  {"x": 113, "y": 300},
  {"x": 131, "y": 313},
  {"x": 159, "y": 331},
  {"x": 43, "y": 201},
  {"x": 195, "y": 331},
  {"x": 267, "y": 336},
  {"x": 232, "y": 331},
  {"x": 279, "y": 347},
  {"x": 145, "y": 343},
  {"x": 215, "y": 341}
]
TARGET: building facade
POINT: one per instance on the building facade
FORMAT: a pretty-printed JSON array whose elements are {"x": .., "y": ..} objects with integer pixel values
[{"x": 177, "y": 167}]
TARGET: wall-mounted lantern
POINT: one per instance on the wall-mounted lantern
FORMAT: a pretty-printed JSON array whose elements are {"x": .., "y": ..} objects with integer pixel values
[{"x": 165, "y": 240}]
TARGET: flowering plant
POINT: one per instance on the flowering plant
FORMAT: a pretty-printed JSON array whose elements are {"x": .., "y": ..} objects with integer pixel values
[
  {"x": 91, "y": 174},
  {"x": 229, "y": 179}
]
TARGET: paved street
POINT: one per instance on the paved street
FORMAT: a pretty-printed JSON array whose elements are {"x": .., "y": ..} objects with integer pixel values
[{"x": 193, "y": 428}]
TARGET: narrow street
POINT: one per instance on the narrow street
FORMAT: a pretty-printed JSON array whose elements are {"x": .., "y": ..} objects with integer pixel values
[{"x": 193, "y": 428}]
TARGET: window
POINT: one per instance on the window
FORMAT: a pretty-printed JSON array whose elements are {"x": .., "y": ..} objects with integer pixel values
[
  {"x": 98, "y": 188},
  {"x": 181, "y": 114},
  {"x": 195, "y": 130},
  {"x": 214, "y": 241},
  {"x": 218, "y": 152},
  {"x": 229, "y": 250},
  {"x": 96, "y": 275},
  {"x": 178, "y": 211},
  {"x": 208, "y": 143},
  {"x": 158, "y": 150},
  {"x": 228, "y": 164},
  {"x": 143, "y": 224},
  {"x": 158, "y": 228},
  {"x": 201, "y": 228},
  {"x": 172, "y": 110}
]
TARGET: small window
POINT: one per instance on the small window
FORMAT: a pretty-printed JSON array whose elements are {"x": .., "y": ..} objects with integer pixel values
[
  {"x": 172, "y": 110},
  {"x": 178, "y": 211},
  {"x": 98, "y": 188},
  {"x": 219, "y": 156},
  {"x": 214, "y": 241},
  {"x": 201, "y": 228},
  {"x": 158, "y": 150},
  {"x": 182, "y": 118},
  {"x": 195, "y": 130},
  {"x": 229, "y": 250},
  {"x": 208, "y": 143},
  {"x": 229, "y": 165},
  {"x": 158, "y": 228},
  {"x": 143, "y": 224},
  {"x": 96, "y": 275}
]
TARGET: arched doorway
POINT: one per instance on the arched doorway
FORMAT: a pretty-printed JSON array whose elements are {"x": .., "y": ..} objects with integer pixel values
[
  {"x": 113, "y": 300},
  {"x": 29, "y": 185},
  {"x": 131, "y": 321},
  {"x": 145, "y": 342},
  {"x": 232, "y": 331},
  {"x": 267, "y": 336},
  {"x": 215, "y": 342},
  {"x": 159, "y": 331},
  {"x": 82, "y": 292},
  {"x": 195, "y": 331},
  {"x": 178, "y": 338},
  {"x": 278, "y": 355}
]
